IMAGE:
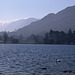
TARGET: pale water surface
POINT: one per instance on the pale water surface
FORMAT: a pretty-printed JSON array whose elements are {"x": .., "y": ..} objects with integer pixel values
[{"x": 36, "y": 59}]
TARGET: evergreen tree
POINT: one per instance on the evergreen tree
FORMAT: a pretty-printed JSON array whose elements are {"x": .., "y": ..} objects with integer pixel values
[
  {"x": 51, "y": 36},
  {"x": 46, "y": 38},
  {"x": 1, "y": 39},
  {"x": 56, "y": 37},
  {"x": 63, "y": 38},
  {"x": 70, "y": 36},
  {"x": 73, "y": 37},
  {"x": 5, "y": 37}
]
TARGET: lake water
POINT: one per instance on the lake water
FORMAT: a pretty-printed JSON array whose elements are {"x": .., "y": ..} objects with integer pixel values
[{"x": 36, "y": 59}]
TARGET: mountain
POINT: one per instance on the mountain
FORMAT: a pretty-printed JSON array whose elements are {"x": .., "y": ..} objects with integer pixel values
[
  {"x": 16, "y": 24},
  {"x": 61, "y": 21}
]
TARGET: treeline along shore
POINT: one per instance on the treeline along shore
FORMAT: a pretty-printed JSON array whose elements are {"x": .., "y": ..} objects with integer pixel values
[{"x": 51, "y": 37}]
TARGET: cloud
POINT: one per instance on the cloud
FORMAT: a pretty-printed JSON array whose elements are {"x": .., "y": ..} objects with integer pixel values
[{"x": 9, "y": 21}]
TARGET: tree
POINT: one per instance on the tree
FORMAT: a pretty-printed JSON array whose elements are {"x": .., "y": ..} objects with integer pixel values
[
  {"x": 21, "y": 39},
  {"x": 56, "y": 37},
  {"x": 46, "y": 38},
  {"x": 51, "y": 36},
  {"x": 70, "y": 36},
  {"x": 31, "y": 39},
  {"x": 5, "y": 37},
  {"x": 73, "y": 37},
  {"x": 14, "y": 40},
  {"x": 36, "y": 38},
  {"x": 63, "y": 37},
  {"x": 1, "y": 39}
]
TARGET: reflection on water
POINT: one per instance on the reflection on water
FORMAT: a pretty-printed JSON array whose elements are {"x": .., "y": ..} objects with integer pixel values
[{"x": 27, "y": 59}]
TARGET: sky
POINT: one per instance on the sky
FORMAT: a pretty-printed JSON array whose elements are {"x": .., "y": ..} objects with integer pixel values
[{"x": 18, "y": 9}]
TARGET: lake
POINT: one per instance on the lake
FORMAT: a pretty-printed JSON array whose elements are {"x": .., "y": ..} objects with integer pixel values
[{"x": 37, "y": 59}]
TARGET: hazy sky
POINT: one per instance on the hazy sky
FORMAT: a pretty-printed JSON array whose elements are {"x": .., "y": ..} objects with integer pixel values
[{"x": 16, "y": 9}]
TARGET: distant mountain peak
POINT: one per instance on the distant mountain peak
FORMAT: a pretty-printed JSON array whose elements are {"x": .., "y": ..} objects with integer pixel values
[{"x": 14, "y": 25}]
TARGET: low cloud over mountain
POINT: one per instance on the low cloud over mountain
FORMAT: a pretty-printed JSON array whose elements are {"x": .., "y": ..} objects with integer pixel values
[{"x": 12, "y": 26}]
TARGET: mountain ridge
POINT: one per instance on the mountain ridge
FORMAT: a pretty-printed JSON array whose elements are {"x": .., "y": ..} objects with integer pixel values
[
  {"x": 12, "y": 26},
  {"x": 61, "y": 21}
]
